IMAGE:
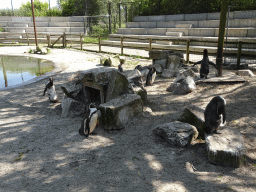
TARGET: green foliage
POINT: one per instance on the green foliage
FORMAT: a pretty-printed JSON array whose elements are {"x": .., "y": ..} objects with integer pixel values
[
  {"x": 169, "y": 7},
  {"x": 101, "y": 30},
  {"x": 79, "y": 7},
  {"x": 1, "y": 29},
  {"x": 6, "y": 12}
]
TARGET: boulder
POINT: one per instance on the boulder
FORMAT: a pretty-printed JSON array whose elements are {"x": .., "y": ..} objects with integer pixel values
[
  {"x": 169, "y": 73},
  {"x": 162, "y": 62},
  {"x": 141, "y": 91},
  {"x": 118, "y": 85},
  {"x": 134, "y": 77},
  {"x": 74, "y": 90},
  {"x": 176, "y": 133},
  {"x": 159, "y": 68},
  {"x": 71, "y": 107},
  {"x": 159, "y": 54},
  {"x": 101, "y": 75},
  {"x": 116, "y": 113},
  {"x": 245, "y": 73},
  {"x": 186, "y": 72},
  {"x": 227, "y": 148},
  {"x": 182, "y": 85},
  {"x": 194, "y": 115},
  {"x": 173, "y": 62}
]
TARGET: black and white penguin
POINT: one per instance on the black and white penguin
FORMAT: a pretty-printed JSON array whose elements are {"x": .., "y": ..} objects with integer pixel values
[
  {"x": 204, "y": 69},
  {"x": 151, "y": 76},
  {"x": 120, "y": 68},
  {"x": 215, "y": 114},
  {"x": 50, "y": 89},
  {"x": 90, "y": 122}
]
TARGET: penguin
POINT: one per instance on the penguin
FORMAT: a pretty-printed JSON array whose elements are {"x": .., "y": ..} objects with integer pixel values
[
  {"x": 204, "y": 69},
  {"x": 215, "y": 114},
  {"x": 90, "y": 122},
  {"x": 151, "y": 76},
  {"x": 50, "y": 89},
  {"x": 120, "y": 68}
]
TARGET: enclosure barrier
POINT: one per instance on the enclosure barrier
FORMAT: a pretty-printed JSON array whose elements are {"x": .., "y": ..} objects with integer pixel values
[{"x": 238, "y": 48}]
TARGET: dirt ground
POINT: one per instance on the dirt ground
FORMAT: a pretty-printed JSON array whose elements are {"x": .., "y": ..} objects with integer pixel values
[{"x": 40, "y": 151}]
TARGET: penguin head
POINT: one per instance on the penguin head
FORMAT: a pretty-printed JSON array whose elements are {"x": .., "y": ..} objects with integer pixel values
[
  {"x": 205, "y": 53},
  {"x": 92, "y": 105},
  {"x": 51, "y": 79}
]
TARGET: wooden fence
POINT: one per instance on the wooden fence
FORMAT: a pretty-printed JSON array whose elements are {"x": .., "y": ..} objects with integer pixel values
[{"x": 180, "y": 44}]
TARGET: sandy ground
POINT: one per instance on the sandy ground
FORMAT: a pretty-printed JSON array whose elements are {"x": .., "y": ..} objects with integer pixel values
[{"x": 40, "y": 151}]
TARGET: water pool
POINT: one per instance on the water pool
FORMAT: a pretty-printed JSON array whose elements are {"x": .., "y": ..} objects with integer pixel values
[{"x": 18, "y": 69}]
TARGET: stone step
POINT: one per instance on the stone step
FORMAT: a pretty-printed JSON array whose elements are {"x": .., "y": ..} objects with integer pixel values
[
  {"x": 183, "y": 26},
  {"x": 17, "y": 30},
  {"x": 204, "y": 32},
  {"x": 14, "y": 37},
  {"x": 21, "y": 25},
  {"x": 175, "y": 34},
  {"x": 197, "y": 17}
]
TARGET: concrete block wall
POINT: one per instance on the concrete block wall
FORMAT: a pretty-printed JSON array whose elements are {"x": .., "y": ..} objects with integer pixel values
[
  {"x": 44, "y": 24},
  {"x": 196, "y": 17}
]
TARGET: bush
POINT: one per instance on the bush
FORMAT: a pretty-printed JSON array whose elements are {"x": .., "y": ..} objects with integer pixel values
[{"x": 1, "y": 29}]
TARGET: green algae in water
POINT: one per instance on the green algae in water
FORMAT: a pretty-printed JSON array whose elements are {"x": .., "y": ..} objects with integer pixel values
[{"x": 18, "y": 69}]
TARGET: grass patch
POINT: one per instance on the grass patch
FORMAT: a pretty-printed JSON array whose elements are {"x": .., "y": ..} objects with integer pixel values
[{"x": 88, "y": 39}]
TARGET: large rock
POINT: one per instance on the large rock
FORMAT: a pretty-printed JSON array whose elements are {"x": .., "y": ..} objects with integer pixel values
[
  {"x": 173, "y": 62},
  {"x": 159, "y": 54},
  {"x": 182, "y": 85},
  {"x": 141, "y": 91},
  {"x": 162, "y": 62},
  {"x": 159, "y": 68},
  {"x": 71, "y": 107},
  {"x": 118, "y": 85},
  {"x": 186, "y": 72},
  {"x": 74, "y": 90},
  {"x": 194, "y": 115},
  {"x": 227, "y": 148},
  {"x": 176, "y": 133},
  {"x": 169, "y": 73},
  {"x": 116, "y": 113},
  {"x": 100, "y": 76}
]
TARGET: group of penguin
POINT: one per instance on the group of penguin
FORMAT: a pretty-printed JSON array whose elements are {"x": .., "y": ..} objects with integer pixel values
[{"x": 214, "y": 113}]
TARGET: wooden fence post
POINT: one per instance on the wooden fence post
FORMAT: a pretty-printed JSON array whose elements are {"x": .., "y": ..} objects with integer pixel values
[
  {"x": 49, "y": 40},
  {"x": 27, "y": 38},
  {"x": 99, "y": 44},
  {"x": 239, "y": 54},
  {"x": 122, "y": 47},
  {"x": 187, "y": 51},
  {"x": 150, "y": 43},
  {"x": 81, "y": 41},
  {"x": 64, "y": 40}
]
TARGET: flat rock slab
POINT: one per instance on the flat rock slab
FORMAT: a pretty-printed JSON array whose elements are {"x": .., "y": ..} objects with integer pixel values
[
  {"x": 227, "y": 77},
  {"x": 177, "y": 133},
  {"x": 227, "y": 148},
  {"x": 194, "y": 115},
  {"x": 116, "y": 113}
]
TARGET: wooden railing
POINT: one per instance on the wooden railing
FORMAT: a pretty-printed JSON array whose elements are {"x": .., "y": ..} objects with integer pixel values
[{"x": 78, "y": 39}]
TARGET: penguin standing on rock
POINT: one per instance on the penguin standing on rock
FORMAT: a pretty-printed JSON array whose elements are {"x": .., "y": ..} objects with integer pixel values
[
  {"x": 50, "y": 89},
  {"x": 215, "y": 114},
  {"x": 90, "y": 122},
  {"x": 151, "y": 76},
  {"x": 120, "y": 68},
  {"x": 204, "y": 69}
]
